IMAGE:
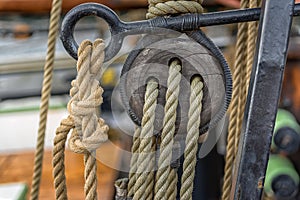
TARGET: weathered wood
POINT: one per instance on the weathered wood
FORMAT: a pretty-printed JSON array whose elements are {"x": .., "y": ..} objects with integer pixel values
[{"x": 154, "y": 61}]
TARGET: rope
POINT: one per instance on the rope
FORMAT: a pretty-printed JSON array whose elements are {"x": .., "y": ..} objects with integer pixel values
[
  {"x": 133, "y": 161},
  {"x": 241, "y": 77},
  {"x": 245, "y": 76},
  {"x": 121, "y": 189},
  {"x": 190, "y": 154},
  {"x": 45, "y": 96},
  {"x": 168, "y": 132},
  {"x": 89, "y": 131},
  {"x": 251, "y": 43},
  {"x": 234, "y": 126},
  {"x": 146, "y": 140},
  {"x": 166, "y": 7},
  {"x": 172, "y": 183},
  {"x": 59, "y": 158},
  {"x": 151, "y": 169}
]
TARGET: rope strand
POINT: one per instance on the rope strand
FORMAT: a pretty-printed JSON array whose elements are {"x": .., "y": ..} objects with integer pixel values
[
  {"x": 168, "y": 132},
  {"x": 133, "y": 161},
  {"x": 190, "y": 154},
  {"x": 59, "y": 158},
  {"x": 146, "y": 139}
]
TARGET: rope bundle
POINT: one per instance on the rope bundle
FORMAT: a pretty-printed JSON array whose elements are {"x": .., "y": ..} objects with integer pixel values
[
  {"x": 88, "y": 131},
  {"x": 142, "y": 178}
]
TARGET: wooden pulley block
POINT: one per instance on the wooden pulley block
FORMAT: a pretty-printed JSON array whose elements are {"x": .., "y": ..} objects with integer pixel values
[{"x": 198, "y": 57}]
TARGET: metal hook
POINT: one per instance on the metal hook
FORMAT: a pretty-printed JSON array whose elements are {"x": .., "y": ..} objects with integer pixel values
[{"x": 119, "y": 29}]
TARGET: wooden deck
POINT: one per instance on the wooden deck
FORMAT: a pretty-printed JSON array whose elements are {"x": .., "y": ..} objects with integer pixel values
[{"x": 19, "y": 167}]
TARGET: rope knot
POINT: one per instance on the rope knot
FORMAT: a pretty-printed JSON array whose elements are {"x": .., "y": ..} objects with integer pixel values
[
  {"x": 80, "y": 144},
  {"x": 90, "y": 131}
]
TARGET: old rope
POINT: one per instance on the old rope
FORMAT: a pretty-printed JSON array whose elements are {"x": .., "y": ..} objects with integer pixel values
[
  {"x": 141, "y": 178},
  {"x": 167, "y": 7},
  {"x": 45, "y": 96},
  {"x": 241, "y": 76},
  {"x": 234, "y": 125},
  {"x": 58, "y": 160},
  {"x": 192, "y": 138},
  {"x": 88, "y": 131},
  {"x": 133, "y": 161},
  {"x": 145, "y": 162},
  {"x": 168, "y": 132}
]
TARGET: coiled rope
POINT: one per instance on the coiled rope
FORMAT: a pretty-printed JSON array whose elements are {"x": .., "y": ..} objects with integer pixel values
[
  {"x": 88, "y": 131},
  {"x": 166, "y": 7},
  {"x": 241, "y": 75},
  {"x": 45, "y": 96}
]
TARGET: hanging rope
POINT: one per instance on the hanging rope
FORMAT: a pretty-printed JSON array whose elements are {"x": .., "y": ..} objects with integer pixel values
[
  {"x": 144, "y": 175},
  {"x": 45, "y": 96},
  {"x": 59, "y": 158},
  {"x": 133, "y": 161},
  {"x": 241, "y": 76},
  {"x": 89, "y": 131},
  {"x": 168, "y": 132},
  {"x": 234, "y": 125},
  {"x": 245, "y": 76},
  {"x": 190, "y": 154}
]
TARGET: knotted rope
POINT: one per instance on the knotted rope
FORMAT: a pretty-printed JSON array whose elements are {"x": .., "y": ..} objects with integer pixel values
[
  {"x": 89, "y": 131},
  {"x": 45, "y": 96},
  {"x": 241, "y": 75}
]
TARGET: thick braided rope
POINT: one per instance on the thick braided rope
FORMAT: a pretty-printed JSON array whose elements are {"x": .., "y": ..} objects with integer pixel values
[
  {"x": 172, "y": 182},
  {"x": 87, "y": 98},
  {"x": 191, "y": 148},
  {"x": 133, "y": 161},
  {"x": 234, "y": 126},
  {"x": 151, "y": 169},
  {"x": 168, "y": 132},
  {"x": 146, "y": 139},
  {"x": 59, "y": 157},
  {"x": 166, "y": 7},
  {"x": 46, "y": 92},
  {"x": 251, "y": 44},
  {"x": 252, "y": 34}
]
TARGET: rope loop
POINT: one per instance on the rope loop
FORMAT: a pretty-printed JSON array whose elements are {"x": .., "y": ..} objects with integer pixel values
[{"x": 88, "y": 130}]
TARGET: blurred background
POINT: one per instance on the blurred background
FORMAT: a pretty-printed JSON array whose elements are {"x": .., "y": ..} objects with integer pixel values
[{"x": 23, "y": 44}]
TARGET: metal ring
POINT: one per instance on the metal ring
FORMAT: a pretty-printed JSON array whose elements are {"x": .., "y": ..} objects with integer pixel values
[{"x": 92, "y": 9}]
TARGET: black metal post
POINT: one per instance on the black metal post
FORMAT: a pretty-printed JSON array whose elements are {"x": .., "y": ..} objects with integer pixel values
[{"x": 263, "y": 96}]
